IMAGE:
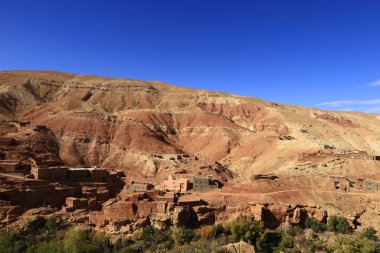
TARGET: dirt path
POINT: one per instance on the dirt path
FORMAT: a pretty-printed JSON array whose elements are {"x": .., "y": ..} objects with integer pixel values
[{"x": 287, "y": 191}]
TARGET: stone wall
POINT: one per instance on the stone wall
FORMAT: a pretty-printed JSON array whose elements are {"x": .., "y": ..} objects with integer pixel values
[
  {"x": 56, "y": 173},
  {"x": 359, "y": 156}
]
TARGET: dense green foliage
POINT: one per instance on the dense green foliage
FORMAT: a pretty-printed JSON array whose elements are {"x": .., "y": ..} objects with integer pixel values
[
  {"x": 370, "y": 234},
  {"x": 183, "y": 235},
  {"x": 338, "y": 224},
  {"x": 52, "y": 236},
  {"x": 247, "y": 230},
  {"x": 315, "y": 225},
  {"x": 287, "y": 242},
  {"x": 156, "y": 238}
]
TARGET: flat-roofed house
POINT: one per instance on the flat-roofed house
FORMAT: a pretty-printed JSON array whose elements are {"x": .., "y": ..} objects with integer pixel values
[
  {"x": 53, "y": 173},
  {"x": 140, "y": 187},
  {"x": 176, "y": 184},
  {"x": 204, "y": 183}
]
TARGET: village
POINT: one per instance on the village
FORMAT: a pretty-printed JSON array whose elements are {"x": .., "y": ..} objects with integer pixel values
[
  {"x": 32, "y": 176},
  {"x": 343, "y": 183}
]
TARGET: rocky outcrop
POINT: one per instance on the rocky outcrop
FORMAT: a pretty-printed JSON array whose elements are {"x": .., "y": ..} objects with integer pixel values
[
  {"x": 273, "y": 215},
  {"x": 342, "y": 121},
  {"x": 239, "y": 247}
]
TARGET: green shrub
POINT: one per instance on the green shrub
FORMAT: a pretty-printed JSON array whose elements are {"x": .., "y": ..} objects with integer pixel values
[
  {"x": 370, "y": 234},
  {"x": 6, "y": 242},
  {"x": 292, "y": 230},
  {"x": 74, "y": 240},
  {"x": 247, "y": 230},
  {"x": 79, "y": 241},
  {"x": 315, "y": 225},
  {"x": 51, "y": 223},
  {"x": 345, "y": 243},
  {"x": 35, "y": 225},
  {"x": 218, "y": 230},
  {"x": 118, "y": 245},
  {"x": 338, "y": 224},
  {"x": 136, "y": 247},
  {"x": 268, "y": 241},
  {"x": 183, "y": 235},
  {"x": 152, "y": 237},
  {"x": 100, "y": 243},
  {"x": 286, "y": 242},
  {"x": 21, "y": 245},
  {"x": 306, "y": 245},
  {"x": 54, "y": 246}
]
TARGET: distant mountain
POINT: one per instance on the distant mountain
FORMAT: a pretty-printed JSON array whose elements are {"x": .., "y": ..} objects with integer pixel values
[{"x": 128, "y": 124}]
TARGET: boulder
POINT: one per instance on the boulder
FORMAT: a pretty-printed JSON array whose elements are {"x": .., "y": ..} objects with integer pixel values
[{"x": 239, "y": 247}]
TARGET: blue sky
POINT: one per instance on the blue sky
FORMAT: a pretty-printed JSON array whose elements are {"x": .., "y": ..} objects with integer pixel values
[{"x": 318, "y": 53}]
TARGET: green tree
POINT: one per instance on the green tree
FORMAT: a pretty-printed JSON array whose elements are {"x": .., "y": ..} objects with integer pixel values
[
  {"x": 268, "y": 240},
  {"x": 154, "y": 237},
  {"x": 76, "y": 241},
  {"x": 286, "y": 242},
  {"x": 247, "y": 230},
  {"x": 316, "y": 226},
  {"x": 338, "y": 224}
]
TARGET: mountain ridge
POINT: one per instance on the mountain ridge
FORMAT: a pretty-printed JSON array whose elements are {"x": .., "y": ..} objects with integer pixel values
[
  {"x": 163, "y": 110},
  {"x": 262, "y": 152}
]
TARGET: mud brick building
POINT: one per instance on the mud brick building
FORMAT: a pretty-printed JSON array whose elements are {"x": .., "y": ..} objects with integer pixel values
[
  {"x": 135, "y": 205},
  {"x": 174, "y": 184},
  {"x": 203, "y": 184},
  {"x": 52, "y": 173},
  {"x": 354, "y": 184},
  {"x": 140, "y": 187},
  {"x": 61, "y": 173}
]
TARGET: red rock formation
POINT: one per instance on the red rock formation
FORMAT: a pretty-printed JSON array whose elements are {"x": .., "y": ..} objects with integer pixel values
[{"x": 124, "y": 124}]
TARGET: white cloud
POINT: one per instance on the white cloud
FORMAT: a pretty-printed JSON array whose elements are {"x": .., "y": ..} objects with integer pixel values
[
  {"x": 348, "y": 109},
  {"x": 375, "y": 83},
  {"x": 367, "y": 106},
  {"x": 351, "y": 102},
  {"x": 375, "y": 109}
]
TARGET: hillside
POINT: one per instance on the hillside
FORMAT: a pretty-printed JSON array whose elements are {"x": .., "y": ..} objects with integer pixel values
[{"x": 137, "y": 126}]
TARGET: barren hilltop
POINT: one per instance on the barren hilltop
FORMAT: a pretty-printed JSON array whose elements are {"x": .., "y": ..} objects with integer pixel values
[{"x": 266, "y": 155}]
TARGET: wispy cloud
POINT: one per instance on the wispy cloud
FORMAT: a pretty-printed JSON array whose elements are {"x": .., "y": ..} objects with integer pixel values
[
  {"x": 367, "y": 106},
  {"x": 375, "y": 109},
  {"x": 350, "y": 102},
  {"x": 374, "y": 84}
]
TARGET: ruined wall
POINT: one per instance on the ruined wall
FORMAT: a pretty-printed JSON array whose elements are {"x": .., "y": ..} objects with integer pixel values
[{"x": 39, "y": 195}]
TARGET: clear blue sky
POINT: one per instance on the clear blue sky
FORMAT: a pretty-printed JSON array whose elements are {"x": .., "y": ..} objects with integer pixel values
[{"x": 303, "y": 52}]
